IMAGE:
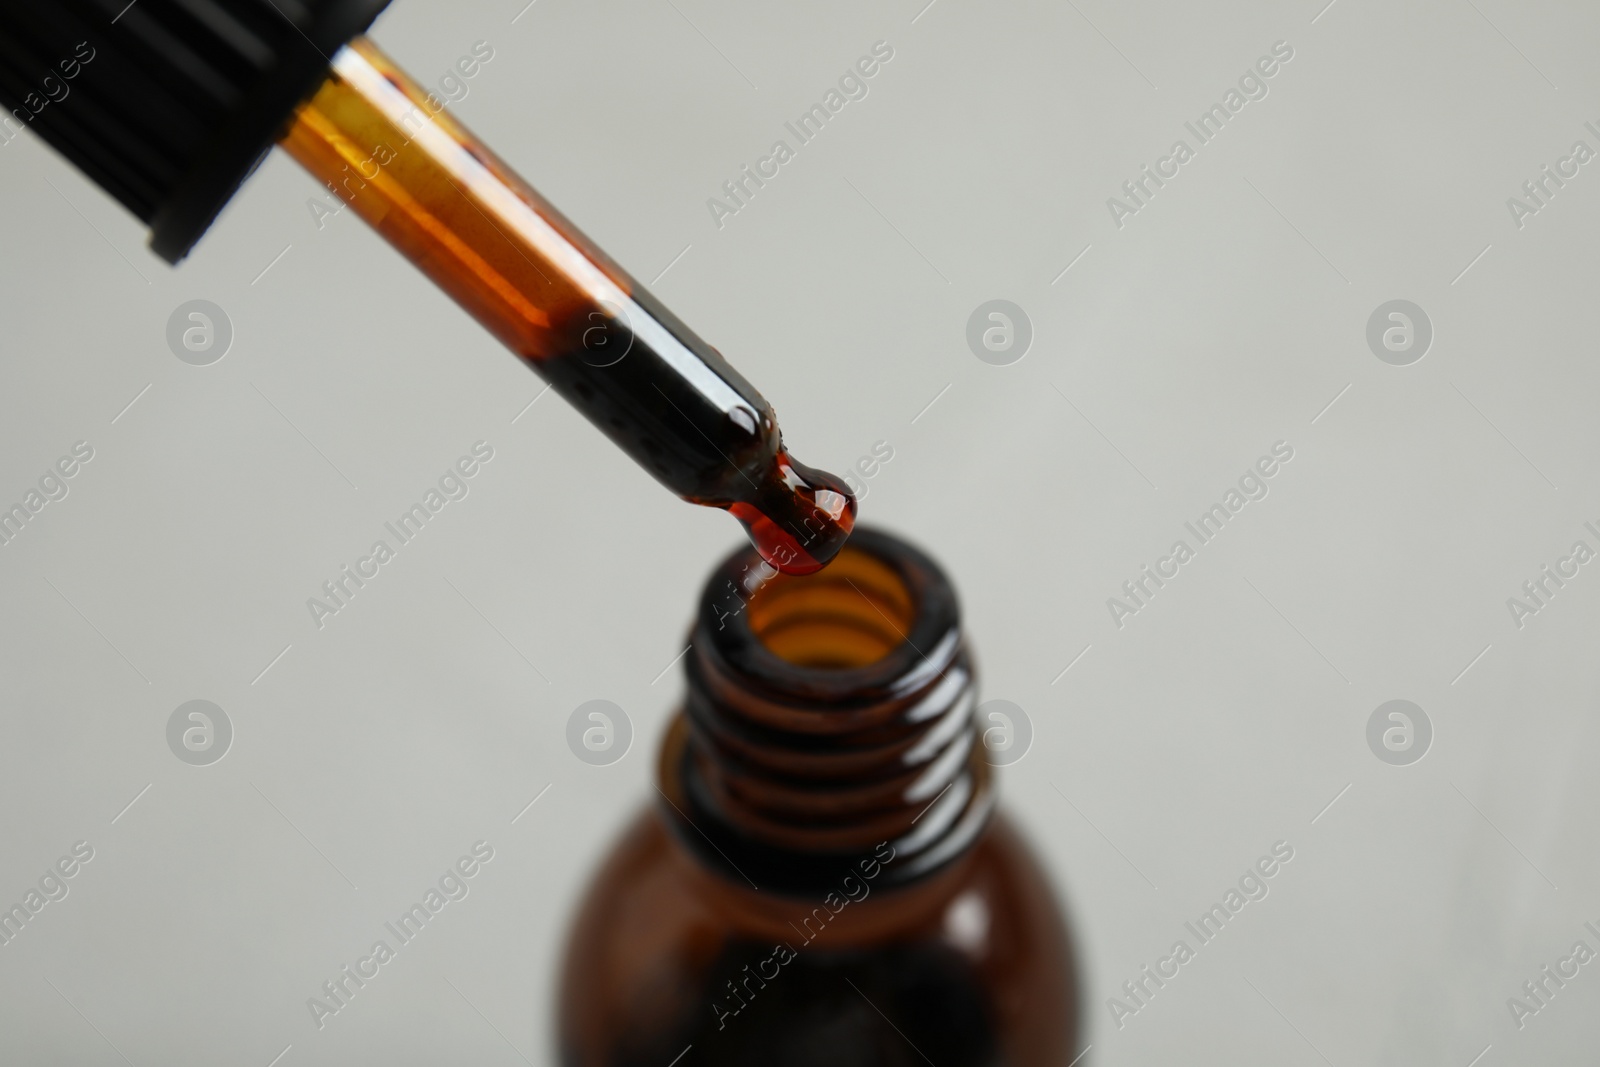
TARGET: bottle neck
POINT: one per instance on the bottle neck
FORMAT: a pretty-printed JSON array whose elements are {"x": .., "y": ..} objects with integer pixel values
[{"x": 826, "y": 716}]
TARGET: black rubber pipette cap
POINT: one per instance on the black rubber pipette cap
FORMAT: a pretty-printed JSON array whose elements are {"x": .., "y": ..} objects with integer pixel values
[{"x": 168, "y": 105}]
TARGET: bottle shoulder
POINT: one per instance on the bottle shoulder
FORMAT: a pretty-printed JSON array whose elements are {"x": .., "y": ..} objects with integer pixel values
[{"x": 663, "y": 944}]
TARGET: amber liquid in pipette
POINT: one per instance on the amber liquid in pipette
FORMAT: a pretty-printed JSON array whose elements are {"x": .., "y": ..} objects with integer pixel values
[{"x": 432, "y": 190}]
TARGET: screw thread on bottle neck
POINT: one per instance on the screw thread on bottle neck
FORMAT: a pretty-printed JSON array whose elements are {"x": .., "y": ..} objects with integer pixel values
[{"x": 825, "y": 715}]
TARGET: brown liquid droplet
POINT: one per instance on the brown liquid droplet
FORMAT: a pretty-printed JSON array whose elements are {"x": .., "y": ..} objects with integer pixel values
[{"x": 799, "y": 517}]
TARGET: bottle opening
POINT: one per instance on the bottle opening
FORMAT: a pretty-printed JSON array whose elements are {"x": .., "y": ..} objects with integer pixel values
[{"x": 851, "y": 615}]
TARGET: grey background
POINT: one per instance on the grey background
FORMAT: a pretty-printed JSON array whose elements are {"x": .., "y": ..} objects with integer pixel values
[{"x": 1224, "y": 317}]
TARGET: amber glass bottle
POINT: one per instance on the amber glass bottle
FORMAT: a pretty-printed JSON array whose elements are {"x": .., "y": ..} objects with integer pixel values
[{"x": 825, "y": 879}]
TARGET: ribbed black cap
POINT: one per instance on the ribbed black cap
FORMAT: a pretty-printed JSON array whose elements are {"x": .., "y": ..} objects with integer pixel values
[{"x": 167, "y": 104}]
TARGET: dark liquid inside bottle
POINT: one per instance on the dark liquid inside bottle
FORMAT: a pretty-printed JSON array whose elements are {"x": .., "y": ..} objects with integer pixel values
[{"x": 825, "y": 1009}]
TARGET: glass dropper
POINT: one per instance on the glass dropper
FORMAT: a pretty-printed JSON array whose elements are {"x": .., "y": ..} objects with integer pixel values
[{"x": 395, "y": 154}]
